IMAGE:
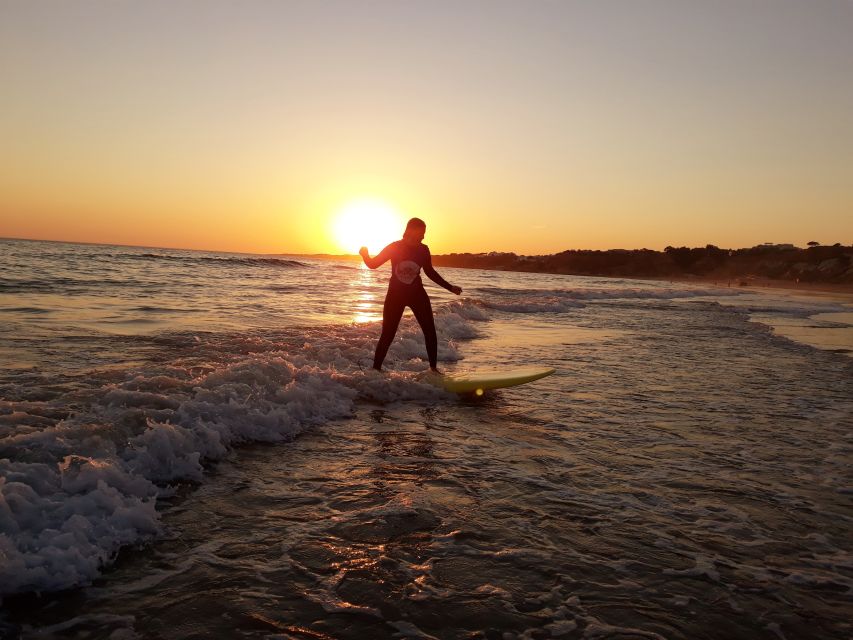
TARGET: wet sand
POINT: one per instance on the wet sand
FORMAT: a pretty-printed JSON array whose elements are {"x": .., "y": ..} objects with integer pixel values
[{"x": 750, "y": 282}]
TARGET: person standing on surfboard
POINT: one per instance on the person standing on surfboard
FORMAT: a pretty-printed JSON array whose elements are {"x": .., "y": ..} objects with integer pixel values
[{"x": 406, "y": 289}]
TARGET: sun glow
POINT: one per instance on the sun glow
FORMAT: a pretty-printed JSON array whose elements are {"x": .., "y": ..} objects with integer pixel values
[{"x": 367, "y": 223}]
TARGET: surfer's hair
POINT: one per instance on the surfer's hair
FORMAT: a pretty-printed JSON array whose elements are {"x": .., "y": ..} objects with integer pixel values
[{"x": 415, "y": 223}]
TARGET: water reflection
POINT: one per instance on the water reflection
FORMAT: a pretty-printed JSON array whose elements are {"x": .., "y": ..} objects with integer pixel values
[{"x": 366, "y": 305}]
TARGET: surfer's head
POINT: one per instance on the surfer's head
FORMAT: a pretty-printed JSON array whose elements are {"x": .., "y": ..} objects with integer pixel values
[{"x": 415, "y": 231}]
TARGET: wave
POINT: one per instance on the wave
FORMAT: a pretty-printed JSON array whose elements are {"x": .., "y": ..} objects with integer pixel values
[
  {"x": 147, "y": 308},
  {"x": 564, "y": 300},
  {"x": 26, "y": 310},
  {"x": 612, "y": 293},
  {"x": 80, "y": 481},
  {"x": 74, "y": 286},
  {"x": 12, "y": 285},
  {"x": 247, "y": 261},
  {"x": 534, "y": 304}
]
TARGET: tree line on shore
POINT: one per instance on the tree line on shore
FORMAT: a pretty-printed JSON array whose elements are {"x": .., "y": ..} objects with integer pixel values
[{"x": 815, "y": 263}]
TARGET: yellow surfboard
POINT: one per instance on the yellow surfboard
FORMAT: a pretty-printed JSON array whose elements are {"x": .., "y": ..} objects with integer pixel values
[{"x": 477, "y": 382}]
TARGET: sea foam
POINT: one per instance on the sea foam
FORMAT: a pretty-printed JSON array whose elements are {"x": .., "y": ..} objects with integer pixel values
[{"x": 77, "y": 483}]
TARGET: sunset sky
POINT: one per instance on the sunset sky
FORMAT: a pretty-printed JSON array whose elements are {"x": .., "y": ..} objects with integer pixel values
[{"x": 531, "y": 127}]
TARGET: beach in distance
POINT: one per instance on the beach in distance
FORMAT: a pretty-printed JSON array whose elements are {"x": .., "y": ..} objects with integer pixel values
[{"x": 194, "y": 444}]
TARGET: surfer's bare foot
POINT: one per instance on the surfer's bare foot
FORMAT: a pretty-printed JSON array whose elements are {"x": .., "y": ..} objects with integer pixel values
[{"x": 436, "y": 371}]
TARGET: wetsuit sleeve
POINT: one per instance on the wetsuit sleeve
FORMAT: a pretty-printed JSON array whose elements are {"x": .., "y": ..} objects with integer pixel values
[
  {"x": 433, "y": 274},
  {"x": 382, "y": 257}
]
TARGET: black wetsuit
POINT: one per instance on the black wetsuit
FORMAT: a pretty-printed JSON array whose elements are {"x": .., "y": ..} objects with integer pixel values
[{"x": 406, "y": 289}]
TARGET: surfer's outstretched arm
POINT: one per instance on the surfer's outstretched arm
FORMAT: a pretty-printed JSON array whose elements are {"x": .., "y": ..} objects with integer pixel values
[
  {"x": 433, "y": 275},
  {"x": 379, "y": 259}
]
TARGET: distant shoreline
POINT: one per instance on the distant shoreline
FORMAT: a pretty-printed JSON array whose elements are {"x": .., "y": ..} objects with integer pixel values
[
  {"x": 748, "y": 278},
  {"x": 818, "y": 268}
]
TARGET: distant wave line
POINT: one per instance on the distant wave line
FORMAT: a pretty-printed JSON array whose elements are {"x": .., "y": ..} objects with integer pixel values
[{"x": 278, "y": 262}]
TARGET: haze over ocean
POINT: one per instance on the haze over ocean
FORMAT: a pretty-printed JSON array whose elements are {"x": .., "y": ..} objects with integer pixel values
[{"x": 193, "y": 444}]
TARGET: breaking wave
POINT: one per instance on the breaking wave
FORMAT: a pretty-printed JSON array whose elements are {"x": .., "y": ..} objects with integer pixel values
[
  {"x": 81, "y": 473},
  {"x": 247, "y": 261},
  {"x": 562, "y": 300}
]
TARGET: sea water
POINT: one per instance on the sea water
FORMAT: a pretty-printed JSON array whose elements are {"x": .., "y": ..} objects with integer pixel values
[{"x": 193, "y": 445}]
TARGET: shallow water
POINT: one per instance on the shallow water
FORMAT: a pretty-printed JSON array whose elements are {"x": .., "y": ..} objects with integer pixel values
[{"x": 685, "y": 474}]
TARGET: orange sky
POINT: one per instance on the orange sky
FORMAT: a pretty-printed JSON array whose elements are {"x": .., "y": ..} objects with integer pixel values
[{"x": 526, "y": 127}]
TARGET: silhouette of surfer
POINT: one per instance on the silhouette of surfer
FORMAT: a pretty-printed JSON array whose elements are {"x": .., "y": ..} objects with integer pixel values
[{"x": 406, "y": 289}]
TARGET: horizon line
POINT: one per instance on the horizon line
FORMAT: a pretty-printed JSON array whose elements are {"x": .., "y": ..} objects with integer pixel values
[{"x": 355, "y": 255}]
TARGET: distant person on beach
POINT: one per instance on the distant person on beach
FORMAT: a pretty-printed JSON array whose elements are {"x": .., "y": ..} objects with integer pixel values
[{"x": 406, "y": 289}]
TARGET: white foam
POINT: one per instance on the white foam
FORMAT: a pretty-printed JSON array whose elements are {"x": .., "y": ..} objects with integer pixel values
[
  {"x": 72, "y": 493},
  {"x": 61, "y": 523},
  {"x": 658, "y": 291},
  {"x": 562, "y": 300}
]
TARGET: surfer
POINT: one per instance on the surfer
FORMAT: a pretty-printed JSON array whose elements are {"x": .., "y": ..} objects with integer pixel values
[{"x": 406, "y": 289}]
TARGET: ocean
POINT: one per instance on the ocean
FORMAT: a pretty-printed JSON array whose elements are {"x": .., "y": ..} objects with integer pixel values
[{"x": 193, "y": 445}]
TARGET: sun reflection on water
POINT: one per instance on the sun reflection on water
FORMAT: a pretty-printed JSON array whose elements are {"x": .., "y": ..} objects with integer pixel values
[{"x": 366, "y": 307}]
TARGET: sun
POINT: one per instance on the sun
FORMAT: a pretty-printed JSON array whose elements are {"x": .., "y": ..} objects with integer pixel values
[{"x": 367, "y": 223}]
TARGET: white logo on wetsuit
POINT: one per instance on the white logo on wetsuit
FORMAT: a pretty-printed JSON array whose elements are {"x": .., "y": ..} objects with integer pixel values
[{"x": 407, "y": 271}]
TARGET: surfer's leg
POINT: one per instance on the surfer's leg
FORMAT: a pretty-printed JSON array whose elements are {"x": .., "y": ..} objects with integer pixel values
[
  {"x": 422, "y": 309},
  {"x": 392, "y": 311}
]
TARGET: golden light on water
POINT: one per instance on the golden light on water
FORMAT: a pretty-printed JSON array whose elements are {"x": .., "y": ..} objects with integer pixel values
[
  {"x": 367, "y": 222},
  {"x": 366, "y": 306},
  {"x": 366, "y": 312}
]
